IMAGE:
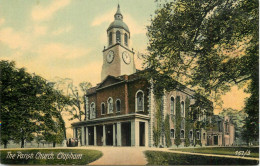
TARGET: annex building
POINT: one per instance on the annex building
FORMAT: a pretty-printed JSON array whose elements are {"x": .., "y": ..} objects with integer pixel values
[{"x": 121, "y": 109}]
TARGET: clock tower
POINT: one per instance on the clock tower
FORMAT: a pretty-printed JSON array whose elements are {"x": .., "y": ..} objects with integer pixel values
[{"x": 118, "y": 59}]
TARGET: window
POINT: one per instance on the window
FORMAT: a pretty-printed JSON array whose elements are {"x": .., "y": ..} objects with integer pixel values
[
  {"x": 172, "y": 133},
  {"x": 139, "y": 101},
  {"x": 126, "y": 39},
  {"x": 118, "y": 37},
  {"x": 118, "y": 105},
  {"x": 92, "y": 111},
  {"x": 190, "y": 134},
  {"x": 110, "y": 38},
  {"x": 182, "y": 133},
  {"x": 110, "y": 105},
  {"x": 103, "y": 109},
  {"x": 172, "y": 105},
  {"x": 182, "y": 109},
  {"x": 204, "y": 135}
]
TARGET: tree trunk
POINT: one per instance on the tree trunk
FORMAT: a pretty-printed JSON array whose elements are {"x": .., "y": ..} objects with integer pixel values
[
  {"x": 5, "y": 145},
  {"x": 22, "y": 143}
]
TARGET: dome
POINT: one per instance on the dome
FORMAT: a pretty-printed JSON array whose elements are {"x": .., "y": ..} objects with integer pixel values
[{"x": 118, "y": 22}]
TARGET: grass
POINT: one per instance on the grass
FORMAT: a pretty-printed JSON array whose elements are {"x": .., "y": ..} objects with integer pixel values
[
  {"x": 88, "y": 156},
  {"x": 254, "y": 151},
  {"x": 168, "y": 158}
]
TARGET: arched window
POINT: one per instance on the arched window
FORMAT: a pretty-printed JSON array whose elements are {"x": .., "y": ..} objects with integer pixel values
[
  {"x": 118, "y": 37},
  {"x": 182, "y": 133},
  {"x": 126, "y": 39},
  {"x": 182, "y": 109},
  {"x": 172, "y": 105},
  {"x": 110, "y": 105},
  {"x": 139, "y": 101},
  {"x": 190, "y": 134},
  {"x": 110, "y": 38},
  {"x": 118, "y": 105},
  {"x": 204, "y": 135},
  {"x": 172, "y": 133},
  {"x": 103, "y": 109},
  {"x": 92, "y": 111}
]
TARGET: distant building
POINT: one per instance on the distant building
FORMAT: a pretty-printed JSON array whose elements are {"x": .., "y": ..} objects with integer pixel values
[
  {"x": 222, "y": 132},
  {"x": 121, "y": 109}
]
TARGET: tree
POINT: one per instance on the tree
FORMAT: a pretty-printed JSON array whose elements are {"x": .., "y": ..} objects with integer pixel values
[
  {"x": 26, "y": 99},
  {"x": 209, "y": 46},
  {"x": 177, "y": 141}
]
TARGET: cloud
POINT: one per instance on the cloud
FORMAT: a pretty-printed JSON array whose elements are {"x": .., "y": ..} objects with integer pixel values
[
  {"x": 39, "y": 30},
  {"x": 62, "y": 51},
  {"x": 14, "y": 40},
  {"x": 108, "y": 17},
  {"x": 40, "y": 13},
  {"x": 62, "y": 30},
  {"x": 2, "y": 21}
]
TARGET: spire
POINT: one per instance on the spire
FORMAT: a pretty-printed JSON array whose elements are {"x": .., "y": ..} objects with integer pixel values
[{"x": 118, "y": 15}]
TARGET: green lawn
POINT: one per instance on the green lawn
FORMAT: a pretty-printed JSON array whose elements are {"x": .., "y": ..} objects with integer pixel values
[
  {"x": 167, "y": 158},
  {"x": 55, "y": 156},
  {"x": 254, "y": 151}
]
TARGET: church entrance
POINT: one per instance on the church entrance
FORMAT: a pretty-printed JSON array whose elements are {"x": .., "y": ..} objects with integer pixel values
[
  {"x": 142, "y": 133},
  {"x": 109, "y": 134},
  {"x": 216, "y": 140},
  {"x": 99, "y": 135},
  {"x": 126, "y": 134},
  {"x": 91, "y": 135}
]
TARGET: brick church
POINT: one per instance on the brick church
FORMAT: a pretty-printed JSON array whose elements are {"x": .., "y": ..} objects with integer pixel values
[{"x": 120, "y": 110}]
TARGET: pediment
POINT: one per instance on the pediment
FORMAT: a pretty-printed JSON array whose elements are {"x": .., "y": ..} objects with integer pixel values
[{"x": 109, "y": 80}]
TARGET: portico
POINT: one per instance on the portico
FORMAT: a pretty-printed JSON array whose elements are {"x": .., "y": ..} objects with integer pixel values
[{"x": 128, "y": 131}]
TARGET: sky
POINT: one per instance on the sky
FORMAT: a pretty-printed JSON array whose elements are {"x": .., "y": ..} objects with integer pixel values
[{"x": 65, "y": 38}]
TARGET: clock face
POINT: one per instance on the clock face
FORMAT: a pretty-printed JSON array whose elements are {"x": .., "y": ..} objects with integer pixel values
[
  {"x": 126, "y": 57},
  {"x": 110, "y": 56}
]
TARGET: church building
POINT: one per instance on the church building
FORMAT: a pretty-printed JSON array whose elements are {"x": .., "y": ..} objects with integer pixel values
[{"x": 121, "y": 109}]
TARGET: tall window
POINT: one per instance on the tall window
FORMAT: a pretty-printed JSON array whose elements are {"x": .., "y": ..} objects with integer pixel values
[
  {"x": 204, "y": 135},
  {"x": 110, "y": 38},
  {"x": 118, "y": 106},
  {"x": 92, "y": 111},
  {"x": 182, "y": 109},
  {"x": 198, "y": 135},
  {"x": 110, "y": 105},
  {"x": 140, "y": 101},
  {"x": 126, "y": 39},
  {"x": 103, "y": 109},
  {"x": 118, "y": 37},
  {"x": 172, "y": 105},
  {"x": 182, "y": 133},
  {"x": 172, "y": 133}
]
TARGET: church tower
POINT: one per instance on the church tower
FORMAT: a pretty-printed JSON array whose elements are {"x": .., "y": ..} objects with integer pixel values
[{"x": 118, "y": 59}]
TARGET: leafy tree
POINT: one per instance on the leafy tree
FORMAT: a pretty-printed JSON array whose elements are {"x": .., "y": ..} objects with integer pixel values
[
  {"x": 167, "y": 130},
  {"x": 187, "y": 122},
  {"x": 210, "y": 46},
  {"x": 157, "y": 132},
  {"x": 26, "y": 99}
]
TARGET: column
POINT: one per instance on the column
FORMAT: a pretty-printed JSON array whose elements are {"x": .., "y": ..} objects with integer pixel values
[
  {"x": 104, "y": 135},
  {"x": 74, "y": 132},
  {"x": 146, "y": 134},
  {"x": 95, "y": 136},
  {"x": 119, "y": 134},
  {"x": 86, "y": 135},
  {"x": 134, "y": 133},
  {"x": 114, "y": 135},
  {"x": 82, "y": 136}
]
